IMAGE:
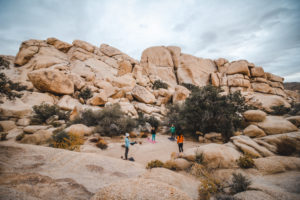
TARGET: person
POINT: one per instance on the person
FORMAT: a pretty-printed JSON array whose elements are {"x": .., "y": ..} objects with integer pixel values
[
  {"x": 153, "y": 132},
  {"x": 127, "y": 143},
  {"x": 180, "y": 142},
  {"x": 172, "y": 129}
]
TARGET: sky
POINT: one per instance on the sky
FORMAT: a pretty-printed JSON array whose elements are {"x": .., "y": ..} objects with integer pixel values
[{"x": 265, "y": 32}]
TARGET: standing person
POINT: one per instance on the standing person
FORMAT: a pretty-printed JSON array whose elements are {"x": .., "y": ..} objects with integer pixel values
[
  {"x": 153, "y": 132},
  {"x": 172, "y": 129},
  {"x": 127, "y": 143},
  {"x": 180, "y": 142}
]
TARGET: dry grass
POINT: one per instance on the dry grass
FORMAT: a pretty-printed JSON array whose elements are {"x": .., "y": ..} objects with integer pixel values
[
  {"x": 102, "y": 144},
  {"x": 154, "y": 164},
  {"x": 245, "y": 161},
  {"x": 286, "y": 146}
]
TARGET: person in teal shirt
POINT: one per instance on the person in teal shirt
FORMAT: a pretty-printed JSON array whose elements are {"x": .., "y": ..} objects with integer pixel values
[
  {"x": 173, "y": 130},
  {"x": 127, "y": 143}
]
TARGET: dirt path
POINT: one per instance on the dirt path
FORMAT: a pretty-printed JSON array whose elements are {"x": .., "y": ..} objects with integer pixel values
[{"x": 142, "y": 153}]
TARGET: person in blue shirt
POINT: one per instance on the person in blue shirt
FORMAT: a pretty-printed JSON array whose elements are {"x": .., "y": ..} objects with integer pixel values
[{"x": 127, "y": 143}]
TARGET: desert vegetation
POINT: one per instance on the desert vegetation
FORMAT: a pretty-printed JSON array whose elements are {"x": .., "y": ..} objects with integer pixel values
[
  {"x": 45, "y": 112},
  {"x": 110, "y": 121},
  {"x": 159, "y": 84},
  {"x": 204, "y": 107},
  {"x": 245, "y": 161}
]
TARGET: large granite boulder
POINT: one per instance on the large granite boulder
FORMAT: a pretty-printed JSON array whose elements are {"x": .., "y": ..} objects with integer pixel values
[
  {"x": 143, "y": 95},
  {"x": 52, "y": 81}
]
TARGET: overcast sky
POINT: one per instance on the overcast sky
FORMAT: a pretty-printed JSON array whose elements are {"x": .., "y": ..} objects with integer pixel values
[{"x": 266, "y": 32}]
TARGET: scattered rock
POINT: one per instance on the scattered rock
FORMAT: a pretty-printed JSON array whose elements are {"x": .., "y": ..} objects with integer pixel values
[
  {"x": 254, "y": 131},
  {"x": 143, "y": 95},
  {"x": 277, "y": 164},
  {"x": 7, "y": 125},
  {"x": 38, "y": 138},
  {"x": 34, "y": 128},
  {"x": 79, "y": 130},
  {"x": 182, "y": 163},
  {"x": 276, "y": 125},
  {"x": 255, "y": 115},
  {"x": 67, "y": 103}
]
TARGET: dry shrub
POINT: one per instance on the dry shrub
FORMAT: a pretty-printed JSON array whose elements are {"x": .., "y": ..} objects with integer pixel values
[
  {"x": 286, "y": 146},
  {"x": 102, "y": 144},
  {"x": 171, "y": 165},
  {"x": 199, "y": 170},
  {"x": 65, "y": 140},
  {"x": 207, "y": 188},
  {"x": 20, "y": 137},
  {"x": 240, "y": 183},
  {"x": 245, "y": 161},
  {"x": 154, "y": 164}
]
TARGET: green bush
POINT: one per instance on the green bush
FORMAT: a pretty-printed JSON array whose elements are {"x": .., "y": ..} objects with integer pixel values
[
  {"x": 190, "y": 86},
  {"x": 159, "y": 84},
  {"x": 154, "y": 164},
  {"x": 45, "y": 111},
  {"x": 86, "y": 93},
  {"x": 109, "y": 121},
  {"x": 279, "y": 110},
  {"x": 9, "y": 88},
  {"x": 240, "y": 183},
  {"x": 142, "y": 119},
  {"x": 205, "y": 110},
  {"x": 286, "y": 146},
  {"x": 245, "y": 161}
]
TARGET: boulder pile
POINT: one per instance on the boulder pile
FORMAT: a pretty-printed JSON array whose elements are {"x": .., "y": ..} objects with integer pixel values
[{"x": 57, "y": 72}]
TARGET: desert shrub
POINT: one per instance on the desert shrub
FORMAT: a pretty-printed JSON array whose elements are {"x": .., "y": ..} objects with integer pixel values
[
  {"x": 9, "y": 88},
  {"x": 94, "y": 140},
  {"x": 295, "y": 109},
  {"x": 4, "y": 63},
  {"x": 171, "y": 165},
  {"x": 142, "y": 120},
  {"x": 174, "y": 116},
  {"x": 245, "y": 161},
  {"x": 20, "y": 137},
  {"x": 207, "y": 188},
  {"x": 240, "y": 183},
  {"x": 205, "y": 110},
  {"x": 286, "y": 146},
  {"x": 3, "y": 136},
  {"x": 199, "y": 170},
  {"x": 102, "y": 144},
  {"x": 110, "y": 121},
  {"x": 154, "y": 164},
  {"x": 153, "y": 121},
  {"x": 45, "y": 111},
  {"x": 190, "y": 86},
  {"x": 199, "y": 157},
  {"x": 85, "y": 93},
  {"x": 279, "y": 110},
  {"x": 65, "y": 140},
  {"x": 159, "y": 84}
]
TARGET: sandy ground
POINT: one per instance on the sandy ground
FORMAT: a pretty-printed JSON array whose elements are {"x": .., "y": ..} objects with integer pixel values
[{"x": 144, "y": 152}]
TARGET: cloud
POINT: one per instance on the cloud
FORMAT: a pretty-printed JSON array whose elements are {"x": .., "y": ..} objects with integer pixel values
[{"x": 264, "y": 32}]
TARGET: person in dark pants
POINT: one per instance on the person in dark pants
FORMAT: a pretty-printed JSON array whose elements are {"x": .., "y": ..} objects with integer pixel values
[
  {"x": 180, "y": 142},
  {"x": 127, "y": 143},
  {"x": 153, "y": 132}
]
